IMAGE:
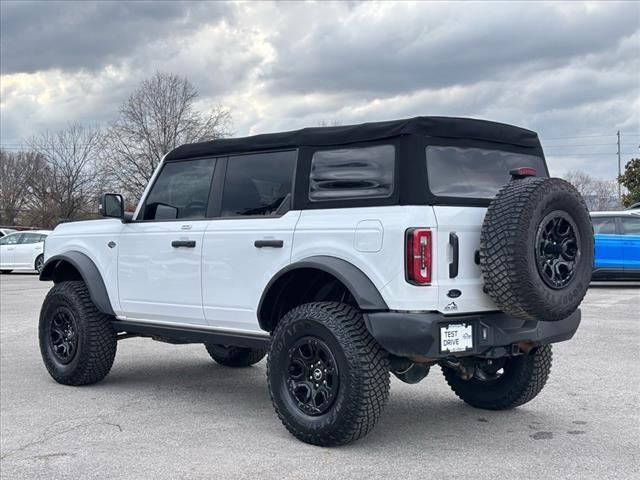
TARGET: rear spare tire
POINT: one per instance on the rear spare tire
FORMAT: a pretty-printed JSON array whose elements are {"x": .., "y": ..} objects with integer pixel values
[{"x": 536, "y": 249}]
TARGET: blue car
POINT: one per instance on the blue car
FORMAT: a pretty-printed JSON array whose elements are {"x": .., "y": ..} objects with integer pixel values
[{"x": 617, "y": 237}]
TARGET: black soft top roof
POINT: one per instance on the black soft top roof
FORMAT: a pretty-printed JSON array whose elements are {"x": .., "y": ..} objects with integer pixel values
[{"x": 440, "y": 127}]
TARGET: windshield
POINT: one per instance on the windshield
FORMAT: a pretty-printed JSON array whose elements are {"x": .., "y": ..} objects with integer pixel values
[{"x": 474, "y": 172}]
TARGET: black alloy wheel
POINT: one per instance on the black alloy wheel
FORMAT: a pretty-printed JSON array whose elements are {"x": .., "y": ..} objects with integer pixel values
[
  {"x": 63, "y": 335},
  {"x": 558, "y": 249},
  {"x": 313, "y": 378}
]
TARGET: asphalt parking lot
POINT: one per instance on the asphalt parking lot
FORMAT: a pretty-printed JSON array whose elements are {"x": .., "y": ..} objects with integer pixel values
[{"x": 169, "y": 411}]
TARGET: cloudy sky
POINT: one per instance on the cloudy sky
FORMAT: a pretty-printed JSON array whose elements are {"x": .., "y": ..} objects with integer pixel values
[{"x": 570, "y": 71}]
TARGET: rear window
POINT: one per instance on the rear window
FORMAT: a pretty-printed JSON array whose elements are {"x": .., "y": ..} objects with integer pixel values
[
  {"x": 474, "y": 172},
  {"x": 359, "y": 172},
  {"x": 630, "y": 225},
  {"x": 258, "y": 183}
]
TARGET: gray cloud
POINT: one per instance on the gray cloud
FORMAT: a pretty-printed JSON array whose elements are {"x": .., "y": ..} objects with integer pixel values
[
  {"x": 423, "y": 47},
  {"x": 562, "y": 69},
  {"x": 83, "y": 35}
]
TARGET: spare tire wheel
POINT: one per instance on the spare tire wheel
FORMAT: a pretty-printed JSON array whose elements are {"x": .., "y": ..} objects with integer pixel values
[{"x": 536, "y": 249}]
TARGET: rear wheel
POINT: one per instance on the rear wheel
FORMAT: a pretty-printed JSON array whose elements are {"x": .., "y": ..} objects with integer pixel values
[
  {"x": 328, "y": 378},
  {"x": 504, "y": 383},
  {"x": 230, "y": 356},
  {"x": 77, "y": 342}
]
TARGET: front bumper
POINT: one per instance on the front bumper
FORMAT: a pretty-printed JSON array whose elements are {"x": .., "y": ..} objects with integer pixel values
[{"x": 407, "y": 334}]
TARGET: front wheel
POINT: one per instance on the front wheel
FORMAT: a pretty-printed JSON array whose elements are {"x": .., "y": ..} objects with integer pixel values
[
  {"x": 503, "y": 383},
  {"x": 77, "y": 342},
  {"x": 328, "y": 378}
]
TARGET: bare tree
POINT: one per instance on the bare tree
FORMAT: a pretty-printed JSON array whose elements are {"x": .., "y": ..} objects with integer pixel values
[
  {"x": 16, "y": 169},
  {"x": 65, "y": 181},
  {"x": 332, "y": 123},
  {"x": 581, "y": 180},
  {"x": 605, "y": 195},
  {"x": 158, "y": 116},
  {"x": 598, "y": 194}
]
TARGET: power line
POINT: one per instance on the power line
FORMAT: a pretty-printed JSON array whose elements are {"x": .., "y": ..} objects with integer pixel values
[
  {"x": 589, "y": 145},
  {"x": 594, "y": 136}
]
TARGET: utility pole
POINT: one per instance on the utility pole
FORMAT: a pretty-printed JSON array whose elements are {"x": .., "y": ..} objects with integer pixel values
[{"x": 619, "y": 172}]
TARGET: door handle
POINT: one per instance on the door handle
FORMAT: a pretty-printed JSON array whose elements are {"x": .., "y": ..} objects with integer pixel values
[
  {"x": 455, "y": 244},
  {"x": 268, "y": 243},
  {"x": 183, "y": 243}
]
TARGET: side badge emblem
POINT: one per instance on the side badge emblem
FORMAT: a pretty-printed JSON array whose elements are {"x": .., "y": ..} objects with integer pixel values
[
  {"x": 455, "y": 293},
  {"x": 111, "y": 244}
]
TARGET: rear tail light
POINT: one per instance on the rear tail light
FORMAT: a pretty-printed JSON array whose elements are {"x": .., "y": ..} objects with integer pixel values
[{"x": 418, "y": 256}]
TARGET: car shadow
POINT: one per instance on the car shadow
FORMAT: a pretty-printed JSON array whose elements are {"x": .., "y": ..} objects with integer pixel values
[{"x": 414, "y": 414}]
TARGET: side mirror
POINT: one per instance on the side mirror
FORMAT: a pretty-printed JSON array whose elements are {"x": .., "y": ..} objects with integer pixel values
[{"x": 112, "y": 206}]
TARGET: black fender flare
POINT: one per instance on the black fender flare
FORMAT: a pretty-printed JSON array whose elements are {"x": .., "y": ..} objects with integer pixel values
[
  {"x": 89, "y": 273},
  {"x": 355, "y": 280}
]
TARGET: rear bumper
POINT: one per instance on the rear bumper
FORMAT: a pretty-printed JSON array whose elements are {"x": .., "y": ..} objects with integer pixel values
[{"x": 408, "y": 334}]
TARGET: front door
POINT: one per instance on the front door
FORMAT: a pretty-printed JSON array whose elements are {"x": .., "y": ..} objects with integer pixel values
[
  {"x": 8, "y": 246},
  {"x": 251, "y": 239},
  {"x": 608, "y": 243},
  {"x": 159, "y": 255}
]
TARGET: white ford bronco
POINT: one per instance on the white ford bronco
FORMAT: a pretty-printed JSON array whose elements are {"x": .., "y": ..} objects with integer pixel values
[{"x": 344, "y": 253}]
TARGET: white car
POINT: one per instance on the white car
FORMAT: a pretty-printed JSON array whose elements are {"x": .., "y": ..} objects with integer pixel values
[
  {"x": 347, "y": 253},
  {"x": 23, "y": 251}
]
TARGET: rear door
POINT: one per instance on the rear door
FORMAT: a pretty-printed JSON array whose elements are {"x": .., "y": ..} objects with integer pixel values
[
  {"x": 631, "y": 243},
  {"x": 250, "y": 240},
  {"x": 608, "y": 243},
  {"x": 468, "y": 178},
  {"x": 159, "y": 255}
]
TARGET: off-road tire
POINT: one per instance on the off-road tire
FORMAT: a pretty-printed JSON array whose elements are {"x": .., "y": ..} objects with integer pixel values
[
  {"x": 524, "y": 377},
  {"x": 235, "y": 356},
  {"x": 96, "y": 338},
  {"x": 363, "y": 371},
  {"x": 508, "y": 249}
]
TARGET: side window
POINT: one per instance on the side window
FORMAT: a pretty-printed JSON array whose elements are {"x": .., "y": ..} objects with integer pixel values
[
  {"x": 180, "y": 191},
  {"x": 359, "y": 172},
  {"x": 11, "y": 239},
  {"x": 30, "y": 238},
  {"x": 630, "y": 226},
  {"x": 604, "y": 225},
  {"x": 258, "y": 183}
]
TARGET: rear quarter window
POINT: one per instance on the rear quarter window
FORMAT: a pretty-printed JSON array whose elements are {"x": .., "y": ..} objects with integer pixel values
[
  {"x": 474, "y": 172},
  {"x": 352, "y": 173}
]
